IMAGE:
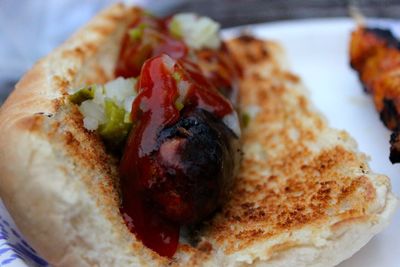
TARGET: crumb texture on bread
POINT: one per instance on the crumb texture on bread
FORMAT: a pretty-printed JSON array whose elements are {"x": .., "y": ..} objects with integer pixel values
[
  {"x": 304, "y": 196},
  {"x": 57, "y": 181}
]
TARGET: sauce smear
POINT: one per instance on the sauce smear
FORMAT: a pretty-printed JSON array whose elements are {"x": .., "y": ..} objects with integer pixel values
[
  {"x": 152, "y": 109},
  {"x": 169, "y": 84}
]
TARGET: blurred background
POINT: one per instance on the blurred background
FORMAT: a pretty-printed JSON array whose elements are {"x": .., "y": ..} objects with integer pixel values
[{"x": 29, "y": 29}]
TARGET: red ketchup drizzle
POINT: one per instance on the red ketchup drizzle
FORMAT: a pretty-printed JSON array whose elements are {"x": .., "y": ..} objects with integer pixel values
[
  {"x": 153, "y": 109},
  {"x": 202, "y": 93},
  {"x": 155, "y": 40}
]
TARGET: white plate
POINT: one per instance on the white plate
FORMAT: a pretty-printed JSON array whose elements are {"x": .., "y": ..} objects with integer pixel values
[{"x": 317, "y": 51}]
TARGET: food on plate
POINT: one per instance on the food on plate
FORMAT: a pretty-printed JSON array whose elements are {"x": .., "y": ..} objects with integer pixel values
[
  {"x": 178, "y": 163},
  {"x": 375, "y": 55},
  {"x": 170, "y": 115},
  {"x": 105, "y": 145}
]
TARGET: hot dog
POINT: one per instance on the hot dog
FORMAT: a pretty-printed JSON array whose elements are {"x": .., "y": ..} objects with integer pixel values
[
  {"x": 181, "y": 153},
  {"x": 101, "y": 167}
]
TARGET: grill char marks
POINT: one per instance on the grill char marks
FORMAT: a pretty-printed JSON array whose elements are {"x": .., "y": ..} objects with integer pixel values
[
  {"x": 386, "y": 35},
  {"x": 395, "y": 147},
  {"x": 375, "y": 55},
  {"x": 389, "y": 114},
  {"x": 196, "y": 158}
]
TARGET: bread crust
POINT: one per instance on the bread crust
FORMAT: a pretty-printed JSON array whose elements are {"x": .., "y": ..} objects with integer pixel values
[
  {"x": 61, "y": 187},
  {"x": 305, "y": 196},
  {"x": 56, "y": 179}
]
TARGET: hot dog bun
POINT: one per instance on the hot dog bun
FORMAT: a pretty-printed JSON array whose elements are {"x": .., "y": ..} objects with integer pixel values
[
  {"x": 56, "y": 179},
  {"x": 304, "y": 196}
]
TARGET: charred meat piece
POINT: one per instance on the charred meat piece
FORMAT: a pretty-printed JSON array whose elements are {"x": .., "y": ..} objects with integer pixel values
[
  {"x": 395, "y": 147},
  {"x": 375, "y": 55},
  {"x": 194, "y": 166},
  {"x": 182, "y": 154}
]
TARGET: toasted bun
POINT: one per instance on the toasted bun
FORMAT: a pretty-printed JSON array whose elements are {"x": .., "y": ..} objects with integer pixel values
[
  {"x": 304, "y": 196},
  {"x": 56, "y": 180}
]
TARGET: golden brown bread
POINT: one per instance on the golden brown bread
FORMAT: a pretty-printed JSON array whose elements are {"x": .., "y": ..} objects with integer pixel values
[
  {"x": 56, "y": 179},
  {"x": 304, "y": 196}
]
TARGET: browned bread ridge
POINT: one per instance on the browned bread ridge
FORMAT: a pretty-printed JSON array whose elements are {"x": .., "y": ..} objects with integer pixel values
[
  {"x": 56, "y": 179},
  {"x": 304, "y": 196}
]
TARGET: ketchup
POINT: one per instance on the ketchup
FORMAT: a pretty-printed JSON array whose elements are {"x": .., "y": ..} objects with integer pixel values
[
  {"x": 154, "y": 109},
  {"x": 154, "y": 40}
]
